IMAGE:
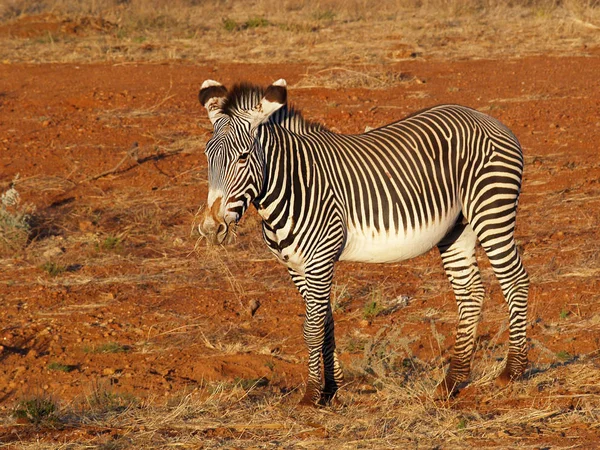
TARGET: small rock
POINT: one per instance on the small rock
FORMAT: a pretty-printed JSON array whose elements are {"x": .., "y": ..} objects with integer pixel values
[
  {"x": 253, "y": 306},
  {"x": 108, "y": 371},
  {"x": 53, "y": 252}
]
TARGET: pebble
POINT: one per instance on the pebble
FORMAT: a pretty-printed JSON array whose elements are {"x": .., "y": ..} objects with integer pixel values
[
  {"x": 53, "y": 252},
  {"x": 253, "y": 306}
]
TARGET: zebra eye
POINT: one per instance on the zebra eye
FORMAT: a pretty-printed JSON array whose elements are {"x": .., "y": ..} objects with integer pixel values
[{"x": 243, "y": 157}]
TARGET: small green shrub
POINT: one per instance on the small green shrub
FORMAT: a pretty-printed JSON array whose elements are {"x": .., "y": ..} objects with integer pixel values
[
  {"x": 53, "y": 268},
  {"x": 61, "y": 367},
  {"x": 249, "y": 383},
  {"x": 111, "y": 243},
  {"x": 36, "y": 410},
  {"x": 109, "y": 347},
  {"x": 230, "y": 24},
  {"x": 104, "y": 400},
  {"x": 256, "y": 22},
  {"x": 372, "y": 309},
  {"x": 564, "y": 355}
]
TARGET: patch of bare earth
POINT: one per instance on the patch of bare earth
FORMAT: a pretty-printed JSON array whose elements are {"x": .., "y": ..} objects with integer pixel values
[{"x": 119, "y": 329}]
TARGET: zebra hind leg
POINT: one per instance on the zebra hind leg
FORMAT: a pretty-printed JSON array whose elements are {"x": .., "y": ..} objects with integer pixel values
[
  {"x": 494, "y": 225},
  {"x": 514, "y": 282},
  {"x": 458, "y": 255}
]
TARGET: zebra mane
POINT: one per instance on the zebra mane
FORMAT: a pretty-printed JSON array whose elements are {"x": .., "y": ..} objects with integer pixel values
[{"x": 244, "y": 96}]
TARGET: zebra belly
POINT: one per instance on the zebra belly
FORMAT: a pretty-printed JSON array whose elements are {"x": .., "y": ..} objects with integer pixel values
[{"x": 370, "y": 245}]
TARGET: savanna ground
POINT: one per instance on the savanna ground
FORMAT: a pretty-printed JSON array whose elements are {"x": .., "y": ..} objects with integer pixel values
[{"x": 119, "y": 329}]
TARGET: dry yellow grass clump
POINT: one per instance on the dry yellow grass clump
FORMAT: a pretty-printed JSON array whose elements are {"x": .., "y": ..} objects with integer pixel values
[{"x": 313, "y": 31}]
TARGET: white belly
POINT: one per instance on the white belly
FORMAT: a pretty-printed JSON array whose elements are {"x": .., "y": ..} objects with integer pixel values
[{"x": 369, "y": 245}]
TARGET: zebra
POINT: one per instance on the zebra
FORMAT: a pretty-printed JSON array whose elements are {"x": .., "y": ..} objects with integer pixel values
[{"x": 447, "y": 176}]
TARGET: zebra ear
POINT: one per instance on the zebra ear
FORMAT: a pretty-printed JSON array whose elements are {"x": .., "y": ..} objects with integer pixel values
[
  {"x": 211, "y": 96},
  {"x": 275, "y": 97}
]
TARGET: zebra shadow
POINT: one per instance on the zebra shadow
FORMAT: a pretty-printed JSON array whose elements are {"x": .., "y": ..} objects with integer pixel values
[
  {"x": 536, "y": 370},
  {"x": 27, "y": 348}
]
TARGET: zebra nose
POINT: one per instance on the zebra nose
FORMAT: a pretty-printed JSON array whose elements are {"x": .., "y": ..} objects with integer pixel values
[
  {"x": 211, "y": 230},
  {"x": 215, "y": 231}
]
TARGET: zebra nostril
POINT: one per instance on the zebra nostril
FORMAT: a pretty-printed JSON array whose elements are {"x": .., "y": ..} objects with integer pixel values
[{"x": 221, "y": 229}]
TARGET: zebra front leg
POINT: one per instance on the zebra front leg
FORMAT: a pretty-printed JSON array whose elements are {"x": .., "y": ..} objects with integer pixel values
[
  {"x": 318, "y": 334},
  {"x": 314, "y": 337},
  {"x": 333, "y": 372}
]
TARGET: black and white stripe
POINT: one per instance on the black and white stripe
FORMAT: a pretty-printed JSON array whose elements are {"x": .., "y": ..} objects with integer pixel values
[{"x": 448, "y": 176}]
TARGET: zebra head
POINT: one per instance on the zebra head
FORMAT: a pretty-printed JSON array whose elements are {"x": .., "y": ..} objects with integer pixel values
[{"x": 235, "y": 156}]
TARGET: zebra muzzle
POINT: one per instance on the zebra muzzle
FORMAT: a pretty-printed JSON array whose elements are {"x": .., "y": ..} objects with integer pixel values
[{"x": 216, "y": 230}]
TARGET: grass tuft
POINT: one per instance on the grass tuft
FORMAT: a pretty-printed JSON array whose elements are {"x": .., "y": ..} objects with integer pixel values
[
  {"x": 254, "y": 22},
  {"x": 103, "y": 401},
  {"x": 15, "y": 220},
  {"x": 109, "y": 347},
  {"x": 36, "y": 410},
  {"x": 60, "y": 367},
  {"x": 341, "y": 77},
  {"x": 111, "y": 243},
  {"x": 53, "y": 269}
]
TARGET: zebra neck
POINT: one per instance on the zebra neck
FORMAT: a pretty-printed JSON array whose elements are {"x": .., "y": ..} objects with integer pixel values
[{"x": 283, "y": 164}]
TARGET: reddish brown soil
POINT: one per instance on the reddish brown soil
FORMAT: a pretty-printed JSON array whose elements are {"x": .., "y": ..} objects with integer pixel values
[{"x": 181, "y": 317}]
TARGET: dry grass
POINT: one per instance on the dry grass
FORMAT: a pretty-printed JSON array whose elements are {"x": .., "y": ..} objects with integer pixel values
[
  {"x": 341, "y": 77},
  {"x": 385, "y": 415},
  {"x": 333, "y": 31},
  {"x": 389, "y": 399}
]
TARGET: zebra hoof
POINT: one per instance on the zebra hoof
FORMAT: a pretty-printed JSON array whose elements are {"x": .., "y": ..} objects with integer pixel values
[
  {"x": 515, "y": 368},
  {"x": 312, "y": 396},
  {"x": 329, "y": 399},
  {"x": 508, "y": 376},
  {"x": 307, "y": 401},
  {"x": 503, "y": 380},
  {"x": 449, "y": 389}
]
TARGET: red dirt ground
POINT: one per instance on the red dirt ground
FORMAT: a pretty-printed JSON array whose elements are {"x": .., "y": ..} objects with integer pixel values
[{"x": 179, "y": 316}]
